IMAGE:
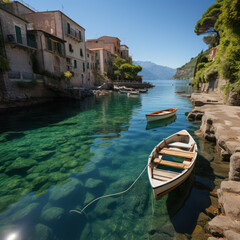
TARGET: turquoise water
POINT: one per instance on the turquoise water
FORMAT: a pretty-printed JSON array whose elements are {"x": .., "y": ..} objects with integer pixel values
[{"x": 59, "y": 157}]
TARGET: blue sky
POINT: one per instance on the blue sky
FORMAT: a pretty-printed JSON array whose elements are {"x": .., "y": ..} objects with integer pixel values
[{"x": 161, "y": 31}]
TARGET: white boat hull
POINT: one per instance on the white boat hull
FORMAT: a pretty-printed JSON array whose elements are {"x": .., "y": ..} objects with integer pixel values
[
  {"x": 162, "y": 180},
  {"x": 160, "y": 191},
  {"x": 158, "y": 117}
]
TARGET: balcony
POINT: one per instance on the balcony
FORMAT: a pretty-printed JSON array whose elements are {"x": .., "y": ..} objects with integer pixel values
[
  {"x": 74, "y": 35},
  {"x": 22, "y": 40}
]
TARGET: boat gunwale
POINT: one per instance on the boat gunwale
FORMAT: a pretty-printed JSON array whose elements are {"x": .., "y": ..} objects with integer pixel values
[
  {"x": 171, "y": 110},
  {"x": 178, "y": 176}
]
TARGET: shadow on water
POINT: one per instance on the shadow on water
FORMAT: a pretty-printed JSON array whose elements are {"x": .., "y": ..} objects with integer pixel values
[{"x": 186, "y": 202}]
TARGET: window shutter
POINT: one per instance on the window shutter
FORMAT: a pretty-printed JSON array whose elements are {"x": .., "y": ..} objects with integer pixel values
[
  {"x": 59, "y": 48},
  {"x": 49, "y": 44},
  {"x": 18, "y": 34}
]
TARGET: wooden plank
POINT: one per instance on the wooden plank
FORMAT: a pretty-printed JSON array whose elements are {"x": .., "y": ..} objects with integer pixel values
[
  {"x": 173, "y": 164},
  {"x": 157, "y": 160},
  {"x": 164, "y": 173},
  {"x": 161, "y": 178},
  {"x": 174, "y": 152}
]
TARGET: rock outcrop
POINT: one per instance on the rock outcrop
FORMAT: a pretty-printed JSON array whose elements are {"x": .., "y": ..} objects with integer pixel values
[{"x": 221, "y": 125}]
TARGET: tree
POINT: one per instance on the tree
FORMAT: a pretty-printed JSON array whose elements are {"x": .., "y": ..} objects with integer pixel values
[
  {"x": 207, "y": 24},
  {"x": 124, "y": 70}
]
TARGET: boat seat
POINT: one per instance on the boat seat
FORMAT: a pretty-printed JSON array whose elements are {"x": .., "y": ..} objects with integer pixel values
[
  {"x": 177, "y": 153},
  {"x": 179, "y": 144},
  {"x": 165, "y": 173},
  {"x": 173, "y": 164}
]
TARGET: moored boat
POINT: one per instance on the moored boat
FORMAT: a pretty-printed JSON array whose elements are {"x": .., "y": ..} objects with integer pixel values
[
  {"x": 180, "y": 152},
  {"x": 166, "y": 113}
]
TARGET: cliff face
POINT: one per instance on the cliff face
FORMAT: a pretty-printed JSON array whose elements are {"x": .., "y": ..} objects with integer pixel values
[{"x": 186, "y": 71}]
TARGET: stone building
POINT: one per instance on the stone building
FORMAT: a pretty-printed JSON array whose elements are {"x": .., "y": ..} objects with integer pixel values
[
  {"x": 103, "y": 60},
  {"x": 111, "y": 44},
  {"x": 18, "y": 46},
  {"x": 62, "y": 27},
  {"x": 124, "y": 52},
  {"x": 90, "y": 67}
]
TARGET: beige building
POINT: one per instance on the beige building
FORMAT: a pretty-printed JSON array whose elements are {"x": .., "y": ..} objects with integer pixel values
[
  {"x": 62, "y": 27},
  {"x": 90, "y": 67},
  {"x": 19, "y": 44},
  {"x": 110, "y": 44},
  {"x": 103, "y": 60},
  {"x": 124, "y": 52}
]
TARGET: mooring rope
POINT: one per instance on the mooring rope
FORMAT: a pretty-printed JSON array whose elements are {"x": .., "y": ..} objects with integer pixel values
[{"x": 110, "y": 195}]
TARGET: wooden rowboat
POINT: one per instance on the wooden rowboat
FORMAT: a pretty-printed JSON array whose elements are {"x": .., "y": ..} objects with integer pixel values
[
  {"x": 166, "y": 113},
  {"x": 180, "y": 152}
]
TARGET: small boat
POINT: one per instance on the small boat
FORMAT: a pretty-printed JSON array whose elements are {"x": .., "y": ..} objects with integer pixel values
[
  {"x": 180, "y": 92},
  {"x": 166, "y": 113},
  {"x": 143, "y": 90},
  {"x": 160, "y": 123},
  {"x": 133, "y": 93},
  {"x": 180, "y": 150}
]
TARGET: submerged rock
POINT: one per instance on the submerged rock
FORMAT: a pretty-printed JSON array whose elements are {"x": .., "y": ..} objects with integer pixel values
[
  {"x": 65, "y": 191},
  {"x": 42, "y": 232},
  {"x": 93, "y": 183},
  {"x": 43, "y": 155},
  {"x": 24, "y": 212},
  {"x": 20, "y": 166},
  {"x": 52, "y": 214}
]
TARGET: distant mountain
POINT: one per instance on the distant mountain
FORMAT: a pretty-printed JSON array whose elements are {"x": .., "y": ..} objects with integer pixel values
[{"x": 152, "y": 71}]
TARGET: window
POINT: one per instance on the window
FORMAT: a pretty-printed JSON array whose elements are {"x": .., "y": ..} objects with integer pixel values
[
  {"x": 96, "y": 54},
  {"x": 88, "y": 65},
  {"x": 75, "y": 63},
  {"x": 68, "y": 28},
  {"x": 49, "y": 44},
  {"x": 18, "y": 34},
  {"x": 81, "y": 52},
  {"x": 88, "y": 55},
  {"x": 70, "y": 47},
  {"x": 83, "y": 67},
  {"x": 80, "y": 35},
  {"x": 59, "y": 48},
  {"x": 68, "y": 60}
]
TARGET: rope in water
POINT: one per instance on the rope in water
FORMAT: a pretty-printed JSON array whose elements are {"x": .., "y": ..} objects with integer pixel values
[{"x": 110, "y": 195}]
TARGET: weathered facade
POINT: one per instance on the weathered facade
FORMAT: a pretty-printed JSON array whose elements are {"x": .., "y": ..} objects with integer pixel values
[
  {"x": 103, "y": 60},
  {"x": 124, "y": 52},
  {"x": 62, "y": 27},
  {"x": 90, "y": 67},
  {"x": 18, "y": 46},
  {"x": 111, "y": 44}
]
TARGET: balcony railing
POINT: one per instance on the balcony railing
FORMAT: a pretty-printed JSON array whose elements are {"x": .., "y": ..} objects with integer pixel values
[
  {"x": 75, "y": 34},
  {"x": 23, "y": 40}
]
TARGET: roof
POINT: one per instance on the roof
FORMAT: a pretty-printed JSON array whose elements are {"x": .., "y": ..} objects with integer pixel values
[
  {"x": 97, "y": 49},
  {"x": 58, "y": 12},
  {"x": 109, "y": 37},
  {"x": 123, "y": 45},
  {"x": 26, "y": 6}
]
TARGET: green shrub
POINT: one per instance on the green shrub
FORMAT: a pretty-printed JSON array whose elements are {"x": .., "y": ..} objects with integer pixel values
[
  {"x": 52, "y": 75},
  {"x": 4, "y": 65},
  {"x": 23, "y": 84}
]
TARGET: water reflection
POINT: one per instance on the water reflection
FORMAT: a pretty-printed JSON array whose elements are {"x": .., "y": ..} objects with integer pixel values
[{"x": 160, "y": 123}]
